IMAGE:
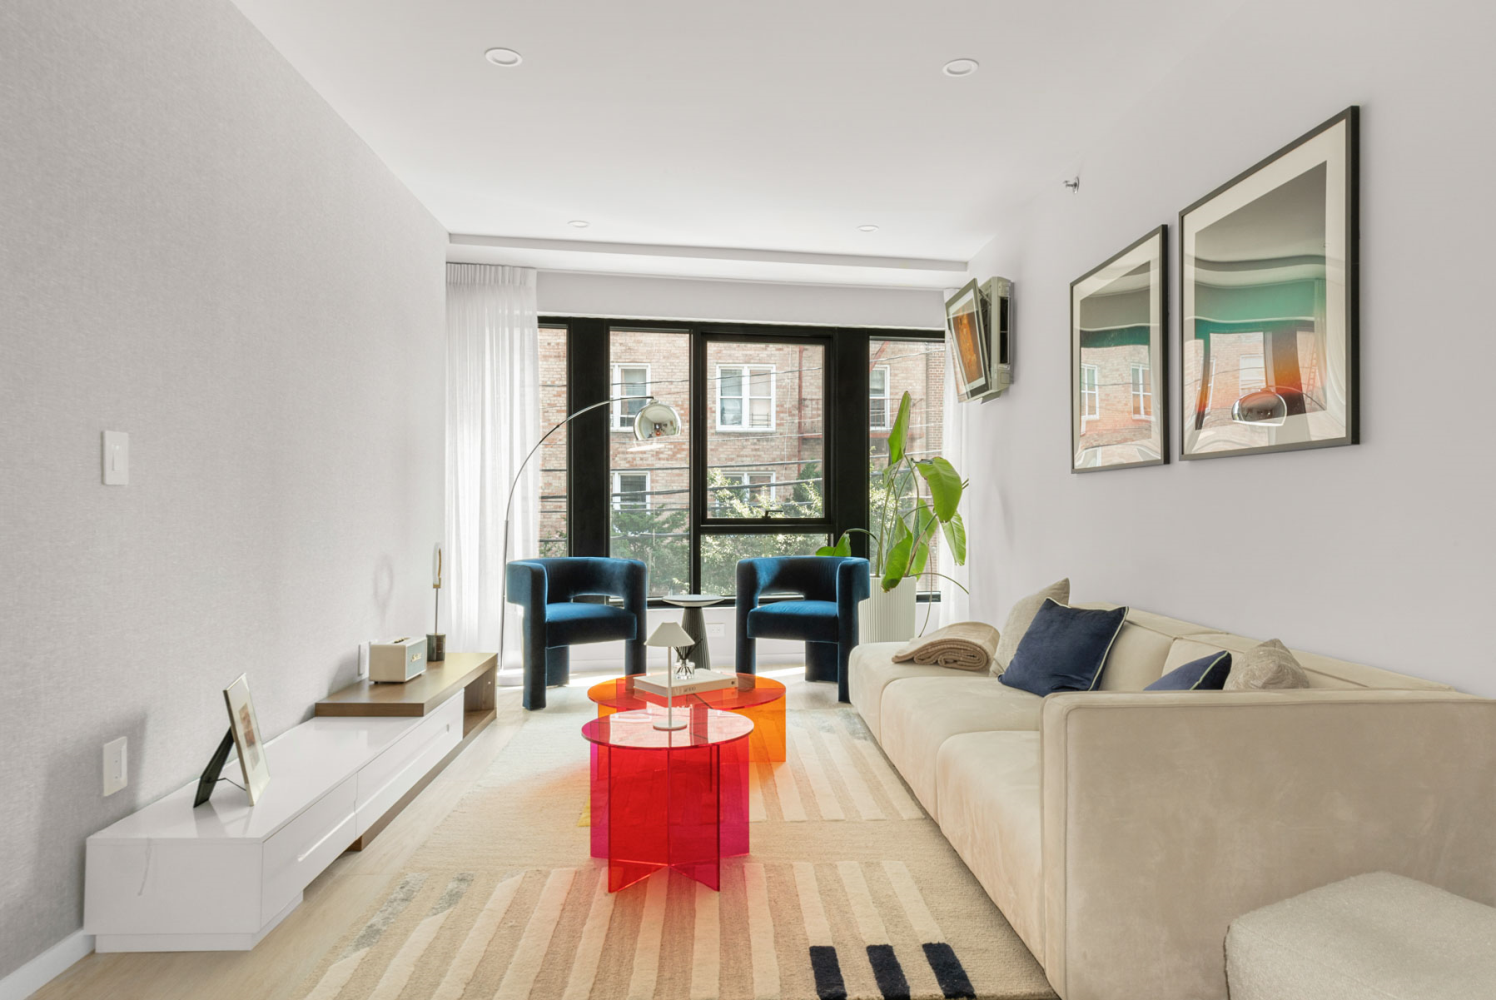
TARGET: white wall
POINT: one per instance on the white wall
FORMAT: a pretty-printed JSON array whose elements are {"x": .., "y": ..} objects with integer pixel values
[
  {"x": 198, "y": 251},
  {"x": 572, "y": 293},
  {"x": 1382, "y": 552}
]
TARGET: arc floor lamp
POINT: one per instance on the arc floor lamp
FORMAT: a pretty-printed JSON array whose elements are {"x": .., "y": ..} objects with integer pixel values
[{"x": 655, "y": 419}]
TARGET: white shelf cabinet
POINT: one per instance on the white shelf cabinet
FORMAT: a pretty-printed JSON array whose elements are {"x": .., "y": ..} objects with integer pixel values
[{"x": 220, "y": 877}]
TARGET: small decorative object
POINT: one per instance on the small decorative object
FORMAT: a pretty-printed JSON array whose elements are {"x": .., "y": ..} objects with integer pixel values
[
  {"x": 1269, "y": 299},
  {"x": 672, "y": 637},
  {"x": 1118, "y": 359},
  {"x": 436, "y": 642},
  {"x": 245, "y": 728},
  {"x": 977, "y": 318},
  {"x": 397, "y": 660},
  {"x": 905, "y": 524}
]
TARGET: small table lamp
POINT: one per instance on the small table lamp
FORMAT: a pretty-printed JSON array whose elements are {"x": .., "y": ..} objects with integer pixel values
[{"x": 671, "y": 636}]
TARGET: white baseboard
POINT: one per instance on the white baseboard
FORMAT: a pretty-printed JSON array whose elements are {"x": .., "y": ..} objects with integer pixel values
[{"x": 46, "y": 967}]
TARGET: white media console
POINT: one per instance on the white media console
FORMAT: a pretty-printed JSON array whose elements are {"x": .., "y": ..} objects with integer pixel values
[{"x": 221, "y": 876}]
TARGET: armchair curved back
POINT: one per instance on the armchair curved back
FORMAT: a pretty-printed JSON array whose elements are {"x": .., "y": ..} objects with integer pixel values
[
  {"x": 570, "y": 577},
  {"x": 819, "y": 578}
]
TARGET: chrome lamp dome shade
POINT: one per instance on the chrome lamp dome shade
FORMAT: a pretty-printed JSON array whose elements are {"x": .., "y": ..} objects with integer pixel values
[{"x": 656, "y": 419}]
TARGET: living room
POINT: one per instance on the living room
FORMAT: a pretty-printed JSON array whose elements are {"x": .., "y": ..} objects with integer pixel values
[{"x": 997, "y": 552}]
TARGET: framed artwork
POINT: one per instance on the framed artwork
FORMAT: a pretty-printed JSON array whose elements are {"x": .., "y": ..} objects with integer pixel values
[
  {"x": 968, "y": 331},
  {"x": 1268, "y": 295},
  {"x": 1119, "y": 408},
  {"x": 246, "y": 729}
]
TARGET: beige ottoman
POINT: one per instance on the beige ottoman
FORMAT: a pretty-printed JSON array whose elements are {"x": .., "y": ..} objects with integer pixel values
[{"x": 1377, "y": 937}]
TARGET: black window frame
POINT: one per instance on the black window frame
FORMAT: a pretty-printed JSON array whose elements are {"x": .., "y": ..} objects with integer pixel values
[{"x": 845, "y": 428}]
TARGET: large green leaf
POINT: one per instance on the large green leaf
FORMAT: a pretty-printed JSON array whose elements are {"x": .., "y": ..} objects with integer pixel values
[
  {"x": 955, "y": 535},
  {"x": 896, "y": 561},
  {"x": 924, "y": 520},
  {"x": 945, "y": 486},
  {"x": 843, "y": 547},
  {"x": 900, "y": 432}
]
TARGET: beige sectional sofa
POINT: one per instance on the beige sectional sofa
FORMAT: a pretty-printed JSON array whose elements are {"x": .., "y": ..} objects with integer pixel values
[{"x": 1121, "y": 831}]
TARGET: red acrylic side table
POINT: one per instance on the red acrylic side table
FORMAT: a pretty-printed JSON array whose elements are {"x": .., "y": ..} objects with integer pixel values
[
  {"x": 669, "y": 799},
  {"x": 758, "y": 699}
]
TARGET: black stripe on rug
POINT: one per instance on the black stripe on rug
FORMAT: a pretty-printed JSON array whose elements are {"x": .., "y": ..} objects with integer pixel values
[
  {"x": 888, "y": 972},
  {"x": 829, "y": 983},
  {"x": 948, "y": 971}
]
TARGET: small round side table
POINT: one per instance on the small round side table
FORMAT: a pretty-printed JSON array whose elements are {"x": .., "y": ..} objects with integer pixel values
[
  {"x": 669, "y": 798},
  {"x": 758, "y": 699},
  {"x": 695, "y": 623}
]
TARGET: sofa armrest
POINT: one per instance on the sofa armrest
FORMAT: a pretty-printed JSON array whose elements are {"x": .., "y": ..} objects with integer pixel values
[{"x": 1167, "y": 815}]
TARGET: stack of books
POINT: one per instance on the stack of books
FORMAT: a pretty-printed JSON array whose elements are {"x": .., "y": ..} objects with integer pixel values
[{"x": 699, "y": 681}]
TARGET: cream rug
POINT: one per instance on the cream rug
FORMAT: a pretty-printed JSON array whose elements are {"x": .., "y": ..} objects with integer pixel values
[{"x": 850, "y": 891}]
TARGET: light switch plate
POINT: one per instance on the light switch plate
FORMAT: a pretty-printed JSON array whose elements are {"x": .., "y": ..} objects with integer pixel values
[
  {"x": 116, "y": 458},
  {"x": 116, "y": 765}
]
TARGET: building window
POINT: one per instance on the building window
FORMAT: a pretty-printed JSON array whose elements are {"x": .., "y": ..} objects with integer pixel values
[
  {"x": 743, "y": 493},
  {"x": 631, "y": 491},
  {"x": 1142, "y": 392},
  {"x": 628, "y": 380},
  {"x": 745, "y": 397},
  {"x": 1090, "y": 392},
  {"x": 877, "y": 399}
]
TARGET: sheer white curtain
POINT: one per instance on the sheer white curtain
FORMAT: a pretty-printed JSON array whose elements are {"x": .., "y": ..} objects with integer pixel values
[
  {"x": 955, "y": 416},
  {"x": 493, "y": 419}
]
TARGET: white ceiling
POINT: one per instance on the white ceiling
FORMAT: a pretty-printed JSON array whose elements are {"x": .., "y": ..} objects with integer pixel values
[{"x": 773, "y": 125}]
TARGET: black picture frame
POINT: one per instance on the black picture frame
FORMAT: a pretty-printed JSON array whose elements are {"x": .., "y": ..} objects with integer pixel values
[
  {"x": 1119, "y": 363},
  {"x": 1269, "y": 324}
]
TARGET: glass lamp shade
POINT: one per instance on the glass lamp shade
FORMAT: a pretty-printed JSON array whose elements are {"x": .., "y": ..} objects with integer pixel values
[
  {"x": 670, "y": 634},
  {"x": 656, "y": 419}
]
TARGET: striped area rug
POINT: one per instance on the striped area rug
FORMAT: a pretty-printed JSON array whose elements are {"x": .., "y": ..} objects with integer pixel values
[{"x": 850, "y": 892}]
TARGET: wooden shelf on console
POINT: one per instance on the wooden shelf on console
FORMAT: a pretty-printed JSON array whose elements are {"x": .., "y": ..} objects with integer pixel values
[{"x": 420, "y": 695}]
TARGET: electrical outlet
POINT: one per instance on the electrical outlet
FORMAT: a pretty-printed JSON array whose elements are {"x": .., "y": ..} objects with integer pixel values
[
  {"x": 715, "y": 630},
  {"x": 116, "y": 765}
]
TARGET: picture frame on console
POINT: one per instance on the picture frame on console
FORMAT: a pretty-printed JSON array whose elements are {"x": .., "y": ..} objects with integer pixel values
[
  {"x": 1268, "y": 303},
  {"x": 1119, "y": 318},
  {"x": 245, "y": 726}
]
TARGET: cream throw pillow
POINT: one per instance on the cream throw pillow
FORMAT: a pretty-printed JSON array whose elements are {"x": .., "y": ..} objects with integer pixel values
[
  {"x": 1267, "y": 666},
  {"x": 1021, "y": 617}
]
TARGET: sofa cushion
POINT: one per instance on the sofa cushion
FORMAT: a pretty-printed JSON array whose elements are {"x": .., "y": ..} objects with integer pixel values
[
  {"x": 870, "y": 671},
  {"x": 919, "y": 714},
  {"x": 990, "y": 807},
  {"x": 1208, "y": 673},
  {"x": 813, "y": 621},
  {"x": 1136, "y": 658},
  {"x": 1064, "y": 649},
  {"x": 572, "y": 622},
  {"x": 1268, "y": 666},
  {"x": 1020, "y": 616},
  {"x": 1323, "y": 671},
  {"x": 1375, "y": 935}
]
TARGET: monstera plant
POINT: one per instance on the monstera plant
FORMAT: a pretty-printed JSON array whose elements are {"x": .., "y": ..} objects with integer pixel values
[{"x": 907, "y": 521}]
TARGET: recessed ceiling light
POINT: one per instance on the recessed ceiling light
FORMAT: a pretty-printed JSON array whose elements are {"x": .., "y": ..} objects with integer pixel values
[
  {"x": 867, "y": 229},
  {"x": 960, "y": 67},
  {"x": 503, "y": 57},
  {"x": 579, "y": 223}
]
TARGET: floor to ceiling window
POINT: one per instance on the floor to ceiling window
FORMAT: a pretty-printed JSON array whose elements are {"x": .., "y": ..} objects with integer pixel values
[
  {"x": 896, "y": 366},
  {"x": 784, "y": 434},
  {"x": 553, "y": 454}
]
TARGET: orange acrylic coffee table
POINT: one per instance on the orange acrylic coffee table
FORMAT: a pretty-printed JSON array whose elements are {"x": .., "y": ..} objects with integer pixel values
[{"x": 759, "y": 699}]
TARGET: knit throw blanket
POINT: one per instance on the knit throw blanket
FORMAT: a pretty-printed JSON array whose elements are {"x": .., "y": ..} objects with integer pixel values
[{"x": 964, "y": 646}]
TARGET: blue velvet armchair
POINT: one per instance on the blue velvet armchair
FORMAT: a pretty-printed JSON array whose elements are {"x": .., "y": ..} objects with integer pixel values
[
  {"x": 554, "y": 620},
  {"x": 825, "y": 617}
]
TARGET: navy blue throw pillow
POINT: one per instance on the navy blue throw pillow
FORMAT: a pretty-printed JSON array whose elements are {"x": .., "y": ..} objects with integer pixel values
[
  {"x": 1208, "y": 673},
  {"x": 1064, "y": 649}
]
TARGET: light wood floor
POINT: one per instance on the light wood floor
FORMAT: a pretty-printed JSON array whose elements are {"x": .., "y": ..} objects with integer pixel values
[
  {"x": 274, "y": 969},
  {"x": 282, "y": 962}
]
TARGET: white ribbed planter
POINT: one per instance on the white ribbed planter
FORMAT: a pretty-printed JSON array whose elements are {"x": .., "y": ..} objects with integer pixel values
[{"x": 888, "y": 617}]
